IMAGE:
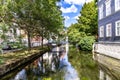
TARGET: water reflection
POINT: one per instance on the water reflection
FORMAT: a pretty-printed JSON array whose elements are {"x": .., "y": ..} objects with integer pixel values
[
  {"x": 21, "y": 75},
  {"x": 109, "y": 68},
  {"x": 69, "y": 72},
  {"x": 104, "y": 76},
  {"x": 84, "y": 64},
  {"x": 76, "y": 65},
  {"x": 105, "y": 73},
  {"x": 51, "y": 66}
]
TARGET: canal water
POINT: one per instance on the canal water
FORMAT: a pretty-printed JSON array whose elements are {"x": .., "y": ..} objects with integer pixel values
[{"x": 77, "y": 65}]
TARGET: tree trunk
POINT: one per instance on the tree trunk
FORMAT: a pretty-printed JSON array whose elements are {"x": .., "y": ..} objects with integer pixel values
[
  {"x": 29, "y": 41},
  {"x": 42, "y": 40},
  {"x": 42, "y": 37}
]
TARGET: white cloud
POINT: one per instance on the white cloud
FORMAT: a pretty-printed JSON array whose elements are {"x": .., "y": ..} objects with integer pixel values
[
  {"x": 77, "y": 2},
  {"x": 72, "y": 9},
  {"x": 87, "y": 1},
  {"x": 58, "y": 3},
  {"x": 77, "y": 17},
  {"x": 66, "y": 18}
]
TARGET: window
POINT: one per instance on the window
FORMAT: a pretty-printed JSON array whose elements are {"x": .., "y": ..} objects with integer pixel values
[
  {"x": 108, "y": 7},
  {"x": 117, "y": 5},
  {"x": 109, "y": 30},
  {"x": 117, "y": 26},
  {"x": 101, "y": 12},
  {"x": 101, "y": 31}
]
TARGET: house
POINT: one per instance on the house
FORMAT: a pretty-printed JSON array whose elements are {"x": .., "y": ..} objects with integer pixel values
[
  {"x": 108, "y": 29},
  {"x": 109, "y": 20}
]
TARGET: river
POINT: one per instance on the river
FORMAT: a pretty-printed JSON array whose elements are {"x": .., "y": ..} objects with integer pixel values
[{"x": 78, "y": 65}]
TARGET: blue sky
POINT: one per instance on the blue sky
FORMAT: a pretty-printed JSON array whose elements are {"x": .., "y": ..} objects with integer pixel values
[{"x": 71, "y": 10}]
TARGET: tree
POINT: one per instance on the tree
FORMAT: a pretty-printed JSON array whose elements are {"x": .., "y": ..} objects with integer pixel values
[
  {"x": 81, "y": 32},
  {"x": 36, "y": 17},
  {"x": 88, "y": 18},
  {"x": 74, "y": 34},
  {"x": 4, "y": 29},
  {"x": 95, "y": 1}
]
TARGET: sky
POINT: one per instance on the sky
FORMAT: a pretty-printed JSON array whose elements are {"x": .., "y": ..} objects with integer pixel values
[{"x": 71, "y": 10}]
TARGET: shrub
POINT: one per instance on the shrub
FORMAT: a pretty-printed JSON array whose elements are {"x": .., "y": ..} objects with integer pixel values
[{"x": 86, "y": 43}]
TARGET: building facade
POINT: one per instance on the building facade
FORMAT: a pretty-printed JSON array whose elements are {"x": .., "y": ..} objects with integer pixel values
[
  {"x": 108, "y": 29},
  {"x": 109, "y": 20}
]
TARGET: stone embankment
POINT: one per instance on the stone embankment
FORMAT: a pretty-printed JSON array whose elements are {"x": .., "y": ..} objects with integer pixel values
[{"x": 13, "y": 60}]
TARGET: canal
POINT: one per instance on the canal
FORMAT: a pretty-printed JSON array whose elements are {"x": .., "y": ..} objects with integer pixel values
[{"x": 78, "y": 65}]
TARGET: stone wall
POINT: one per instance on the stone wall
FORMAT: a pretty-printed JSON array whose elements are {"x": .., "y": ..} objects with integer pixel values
[{"x": 108, "y": 49}]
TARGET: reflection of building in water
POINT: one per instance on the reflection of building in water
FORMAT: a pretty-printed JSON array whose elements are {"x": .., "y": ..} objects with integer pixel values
[
  {"x": 47, "y": 62},
  {"x": 21, "y": 75},
  {"x": 109, "y": 67},
  {"x": 104, "y": 76}
]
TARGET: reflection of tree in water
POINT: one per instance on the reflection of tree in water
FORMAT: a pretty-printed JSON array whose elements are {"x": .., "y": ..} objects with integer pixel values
[
  {"x": 84, "y": 64},
  {"x": 65, "y": 66},
  {"x": 47, "y": 69},
  {"x": 89, "y": 69},
  {"x": 34, "y": 71}
]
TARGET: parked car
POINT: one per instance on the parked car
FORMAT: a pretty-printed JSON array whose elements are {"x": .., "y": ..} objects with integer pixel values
[
  {"x": 6, "y": 47},
  {"x": 10, "y": 45}
]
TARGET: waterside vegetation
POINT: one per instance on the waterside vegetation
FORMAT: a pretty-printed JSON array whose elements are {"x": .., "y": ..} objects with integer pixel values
[{"x": 84, "y": 32}]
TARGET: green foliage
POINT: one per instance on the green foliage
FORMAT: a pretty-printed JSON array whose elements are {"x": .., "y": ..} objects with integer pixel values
[
  {"x": 35, "y": 17},
  {"x": 86, "y": 26},
  {"x": 88, "y": 18},
  {"x": 96, "y": 1},
  {"x": 16, "y": 45},
  {"x": 84, "y": 64},
  {"x": 1, "y": 60},
  {"x": 91, "y": 64},
  {"x": 3, "y": 29},
  {"x": 13, "y": 45},
  {"x": 87, "y": 42},
  {"x": 74, "y": 34}
]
